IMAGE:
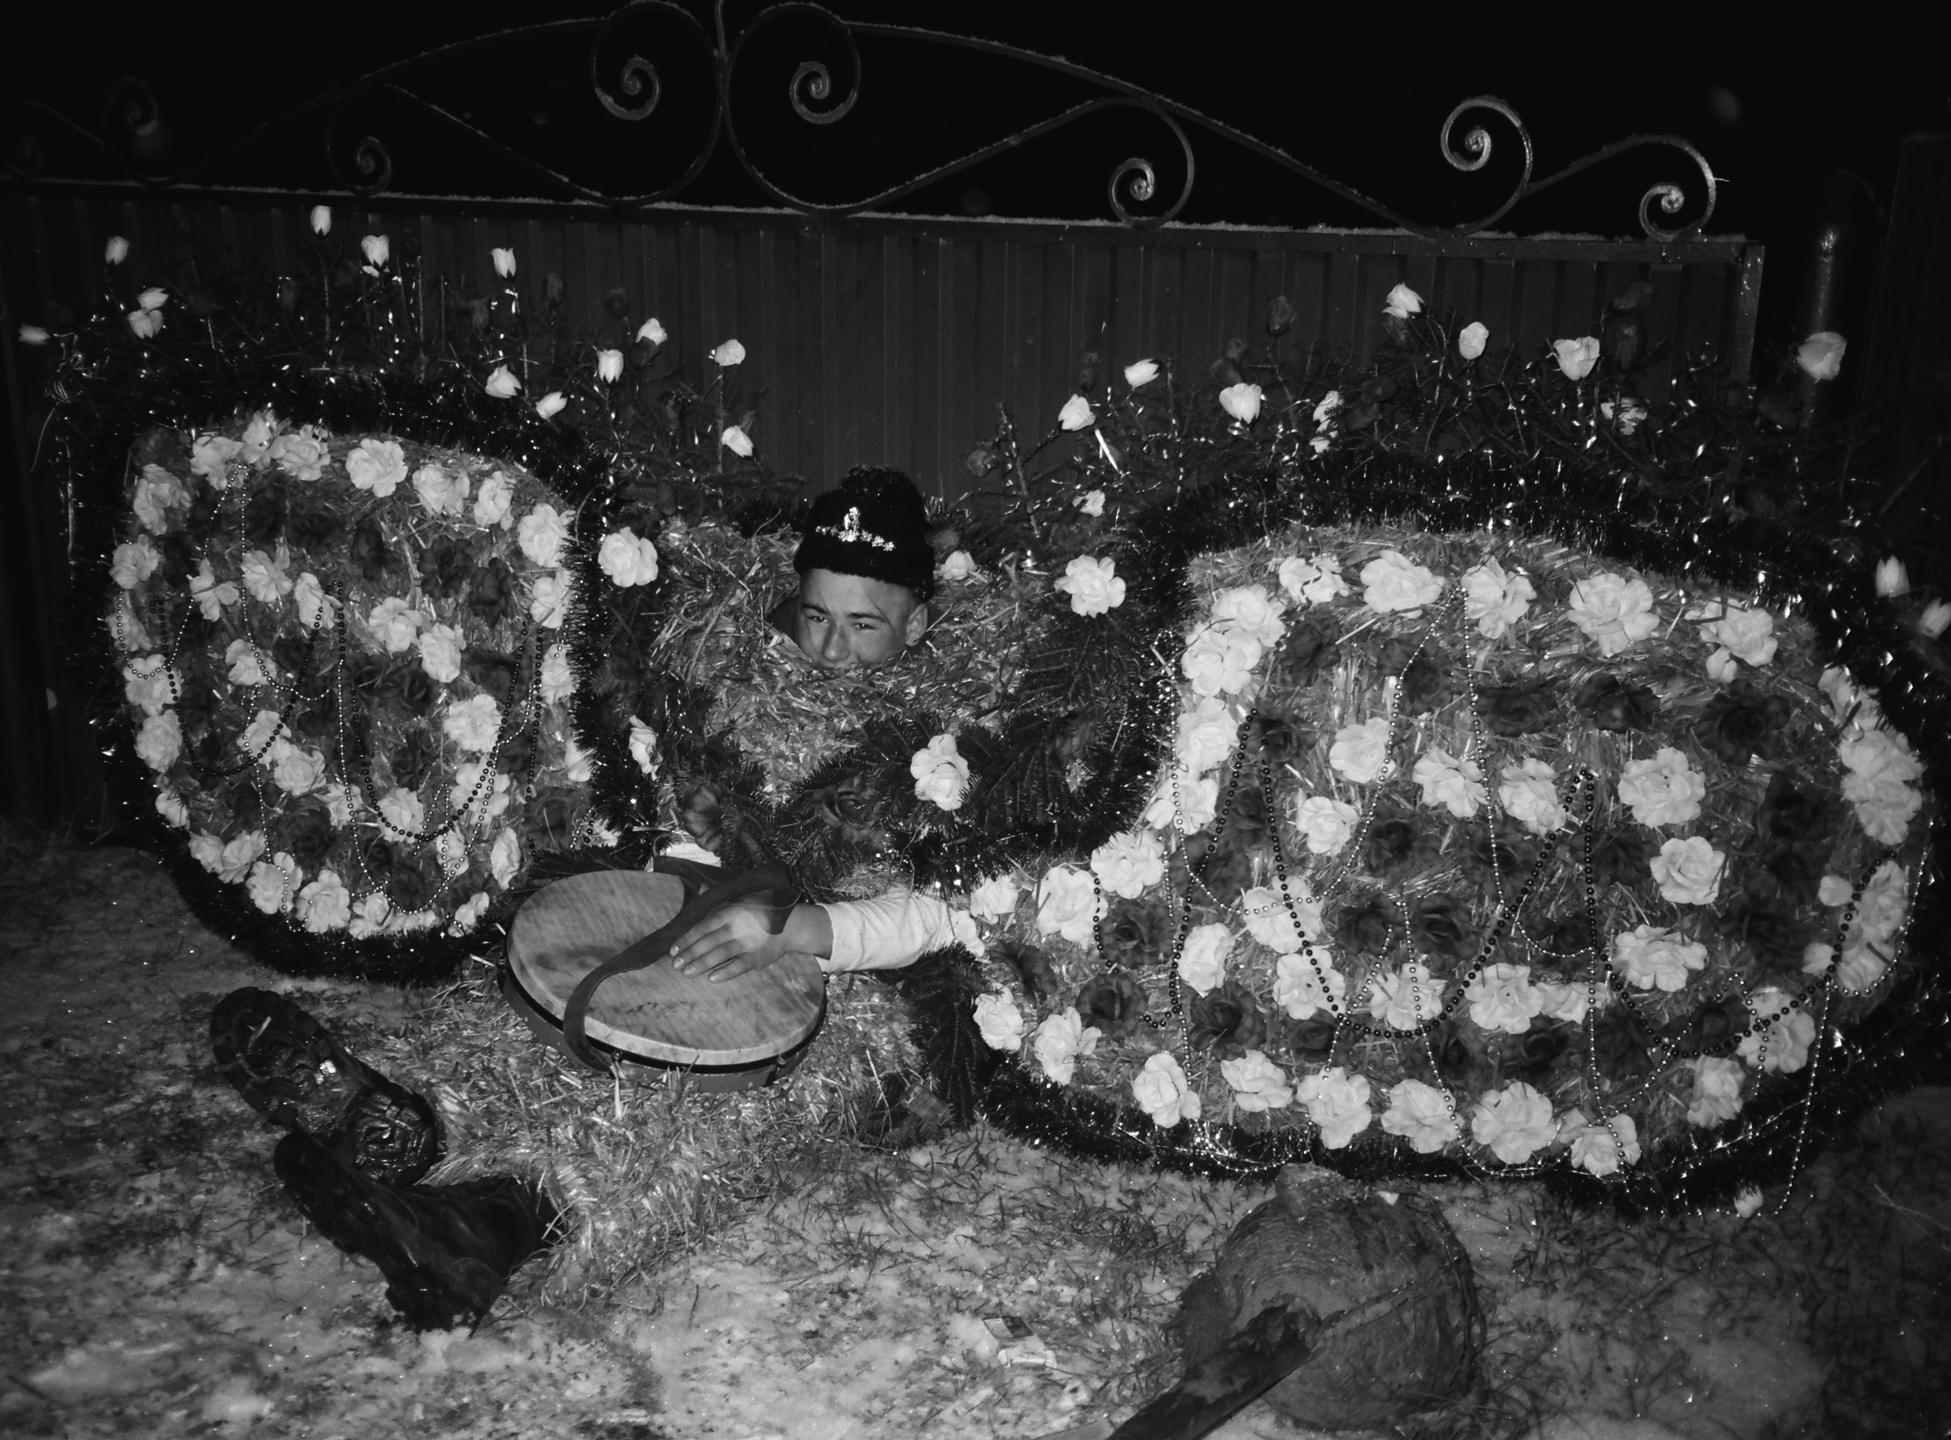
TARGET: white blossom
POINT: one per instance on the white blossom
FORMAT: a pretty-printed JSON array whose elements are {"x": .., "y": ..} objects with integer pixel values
[
  {"x": 134, "y": 562},
  {"x": 1060, "y": 1041},
  {"x": 1615, "y": 611},
  {"x": 1471, "y": 339},
  {"x": 940, "y": 773},
  {"x": 1513, "y": 1123},
  {"x": 1305, "y": 988},
  {"x": 1422, "y": 1115},
  {"x": 643, "y": 745},
  {"x": 473, "y": 723},
  {"x": 1000, "y": 1022},
  {"x": 1650, "y": 957},
  {"x": 1603, "y": 1147},
  {"x": 1495, "y": 598},
  {"x": 548, "y": 600},
  {"x": 1129, "y": 864},
  {"x": 1068, "y": 904},
  {"x": 395, "y": 623},
  {"x": 502, "y": 384},
  {"x": 1820, "y": 357},
  {"x": 1202, "y": 959},
  {"x": 1664, "y": 790},
  {"x": 1405, "y": 998},
  {"x": 1529, "y": 795},
  {"x": 995, "y": 898},
  {"x": 1577, "y": 357},
  {"x": 159, "y": 742},
  {"x": 542, "y": 534},
  {"x": 1312, "y": 582},
  {"x": 1325, "y": 823},
  {"x": 1781, "y": 1044},
  {"x": 1717, "y": 1091},
  {"x": 730, "y": 353},
  {"x": 440, "y": 492},
  {"x": 1361, "y": 752},
  {"x": 1092, "y": 584},
  {"x": 1503, "y": 998},
  {"x": 1163, "y": 1093},
  {"x": 1257, "y": 1083},
  {"x": 627, "y": 559},
  {"x": 1076, "y": 414},
  {"x": 1393, "y": 582},
  {"x": 377, "y": 466},
  {"x": 491, "y": 501},
  {"x": 1141, "y": 373},
  {"x": 1337, "y": 1103},
  {"x": 558, "y": 678},
  {"x": 1455, "y": 785},
  {"x": 440, "y": 652},
  {"x": 1689, "y": 871},
  {"x": 1242, "y": 402}
]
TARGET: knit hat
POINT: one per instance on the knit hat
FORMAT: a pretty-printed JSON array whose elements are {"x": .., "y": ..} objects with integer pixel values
[{"x": 874, "y": 525}]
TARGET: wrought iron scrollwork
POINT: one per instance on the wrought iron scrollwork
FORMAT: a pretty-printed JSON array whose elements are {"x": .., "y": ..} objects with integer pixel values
[{"x": 646, "y": 57}]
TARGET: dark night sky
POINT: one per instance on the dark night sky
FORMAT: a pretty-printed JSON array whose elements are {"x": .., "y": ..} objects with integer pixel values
[{"x": 1358, "y": 92}]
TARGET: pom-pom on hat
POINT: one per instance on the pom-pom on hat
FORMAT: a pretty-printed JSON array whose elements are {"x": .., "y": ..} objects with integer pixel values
[{"x": 875, "y": 524}]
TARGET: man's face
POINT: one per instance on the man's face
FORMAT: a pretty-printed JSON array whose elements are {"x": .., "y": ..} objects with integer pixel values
[{"x": 851, "y": 620}]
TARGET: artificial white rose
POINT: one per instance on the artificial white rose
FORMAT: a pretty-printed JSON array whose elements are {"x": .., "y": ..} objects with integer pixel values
[
  {"x": 301, "y": 454},
  {"x": 264, "y": 731},
  {"x": 1407, "y": 997},
  {"x": 1068, "y": 904},
  {"x": 1207, "y": 734},
  {"x": 473, "y": 724},
  {"x": 627, "y": 559},
  {"x": 492, "y": 500},
  {"x": 1626, "y": 416},
  {"x": 207, "y": 850},
  {"x": 1129, "y": 864},
  {"x": 325, "y": 904},
  {"x": 551, "y": 405},
  {"x": 995, "y": 898},
  {"x": 1748, "y": 634},
  {"x": 1935, "y": 620},
  {"x": 643, "y": 745},
  {"x": 505, "y": 856},
  {"x": 440, "y": 492},
  {"x": 1577, "y": 357},
  {"x": 1219, "y": 661},
  {"x": 1602, "y": 1148},
  {"x": 1279, "y": 923},
  {"x": 1471, "y": 339},
  {"x": 245, "y": 666},
  {"x": 609, "y": 366},
  {"x": 239, "y": 856},
  {"x": 504, "y": 261},
  {"x": 960, "y": 565},
  {"x": 377, "y": 466},
  {"x": 402, "y": 814},
  {"x": 260, "y": 433},
  {"x": 940, "y": 773},
  {"x": 653, "y": 331},
  {"x": 1163, "y": 1093},
  {"x": 210, "y": 457},
  {"x": 146, "y": 324},
  {"x": 1076, "y": 414},
  {"x": 1337, "y": 1103},
  {"x": 1394, "y": 582},
  {"x": 296, "y": 770},
  {"x": 316, "y": 609},
  {"x": 371, "y": 915},
  {"x": 1717, "y": 1091},
  {"x": 1183, "y": 801},
  {"x": 33, "y": 335},
  {"x": 1614, "y": 611},
  {"x": 1688, "y": 871},
  {"x": 159, "y": 742},
  {"x": 467, "y": 914},
  {"x": 1495, "y": 599},
  {"x": 730, "y": 353},
  {"x": 157, "y": 492},
  {"x": 501, "y": 383},
  {"x": 116, "y": 251},
  {"x": 1880, "y": 754},
  {"x": 148, "y": 684},
  {"x": 1781, "y": 1044},
  {"x": 1141, "y": 373},
  {"x": 1305, "y": 988},
  {"x": 576, "y": 768},
  {"x": 321, "y": 219},
  {"x": 1000, "y": 1022},
  {"x": 1422, "y": 1115},
  {"x": 1529, "y": 796},
  {"x": 481, "y": 801},
  {"x": 1250, "y": 610},
  {"x": 440, "y": 652},
  {"x": 1455, "y": 785},
  {"x": 1242, "y": 402},
  {"x": 1649, "y": 956},
  {"x": 134, "y": 562},
  {"x": 1092, "y": 584},
  {"x": 1060, "y": 1041},
  {"x": 1513, "y": 1123},
  {"x": 1361, "y": 752},
  {"x": 266, "y": 577},
  {"x": 548, "y": 600},
  {"x": 1665, "y": 790},
  {"x": 542, "y": 534},
  {"x": 1502, "y": 997},
  {"x": 174, "y": 811},
  {"x": 273, "y": 884},
  {"x": 1327, "y": 824},
  {"x": 1568, "y": 1000},
  {"x": 395, "y": 623},
  {"x": 737, "y": 441},
  {"x": 1258, "y": 1084},
  {"x": 1820, "y": 357},
  {"x": 378, "y": 249},
  {"x": 1090, "y": 503},
  {"x": 127, "y": 630},
  {"x": 558, "y": 676},
  {"x": 1402, "y": 302},
  {"x": 1892, "y": 579},
  {"x": 1202, "y": 959}
]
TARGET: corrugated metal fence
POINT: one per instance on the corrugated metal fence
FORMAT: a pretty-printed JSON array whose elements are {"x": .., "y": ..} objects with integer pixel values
[{"x": 874, "y": 340}]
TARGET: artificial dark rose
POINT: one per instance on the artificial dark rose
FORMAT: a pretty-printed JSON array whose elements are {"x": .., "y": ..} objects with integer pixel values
[
  {"x": 413, "y": 758},
  {"x": 1246, "y": 821},
  {"x": 1510, "y": 849},
  {"x": 1312, "y": 1037},
  {"x": 1791, "y": 816},
  {"x": 1135, "y": 934},
  {"x": 415, "y": 879},
  {"x": 444, "y": 568},
  {"x": 1442, "y": 926},
  {"x": 1537, "y": 1050},
  {"x": 516, "y": 750},
  {"x": 850, "y": 805},
  {"x": 497, "y": 674},
  {"x": 1391, "y": 844},
  {"x": 243, "y": 801},
  {"x": 1456, "y": 1062},
  {"x": 1740, "y": 722},
  {"x": 293, "y": 653},
  {"x": 1032, "y": 966},
  {"x": 1363, "y": 928},
  {"x": 179, "y": 559},
  {"x": 318, "y": 719},
  {"x": 1564, "y": 940},
  {"x": 196, "y": 704},
  {"x": 1423, "y": 674},
  {"x": 1790, "y": 872},
  {"x": 1774, "y": 935},
  {"x": 1523, "y": 708},
  {"x": 365, "y": 674},
  {"x": 208, "y": 750},
  {"x": 368, "y": 552},
  {"x": 306, "y": 834},
  {"x": 550, "y": 817},
  {"x": 1282, "y": 739},
  {"x": 264, "y": 515},
  {"x": 1225, "y": 1020},
  {"x": 1113, "y": 1002},
  {"x": 1715, "y": 1028},
  {"x": 413, "y": 687},
  {"x": 1620, "y": 857},
  {"x": 1611, "y": 704},
  {"x": 311, "y": 523},
  {"x": 200, "y": 519},
  {"x": 1070, "y": 738},
  {"x": 701, "y": 812},
  {"x": 491, "y": 595},
  {"x": 1310, "y": 648},
  {"x": 1222, "y": 869},
  {"x": 378, "y": 857},
  {"x": 1621, "y": 1045}
]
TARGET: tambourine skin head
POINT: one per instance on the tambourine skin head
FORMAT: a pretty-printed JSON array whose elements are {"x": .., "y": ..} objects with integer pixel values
[{"x": 655, "y": 1015}]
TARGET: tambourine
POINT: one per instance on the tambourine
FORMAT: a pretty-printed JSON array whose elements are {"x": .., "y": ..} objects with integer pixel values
[{"x": 589, "y": 968}]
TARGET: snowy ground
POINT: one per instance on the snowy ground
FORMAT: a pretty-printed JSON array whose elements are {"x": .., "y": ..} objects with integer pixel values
[{"x": 155, "y": 1281}]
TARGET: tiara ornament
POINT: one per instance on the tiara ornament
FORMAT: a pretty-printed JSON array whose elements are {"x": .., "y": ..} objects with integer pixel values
[{"x": 848, "y": 532}]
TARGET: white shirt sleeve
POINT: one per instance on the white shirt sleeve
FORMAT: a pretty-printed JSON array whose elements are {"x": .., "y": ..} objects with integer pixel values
[{"x": 890, "y": 931}]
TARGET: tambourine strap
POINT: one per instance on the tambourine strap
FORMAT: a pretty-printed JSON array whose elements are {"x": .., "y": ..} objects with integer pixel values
[{"x": 657, "y": 946}]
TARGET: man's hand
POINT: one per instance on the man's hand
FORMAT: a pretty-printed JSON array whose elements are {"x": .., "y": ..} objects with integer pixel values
[{"x": 732, "y": 942}]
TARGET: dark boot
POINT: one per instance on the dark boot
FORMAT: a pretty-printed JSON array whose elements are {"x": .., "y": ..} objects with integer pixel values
[
  {"x": 290, "y": 1070},
  {"x": 446, "y": 1250}
]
